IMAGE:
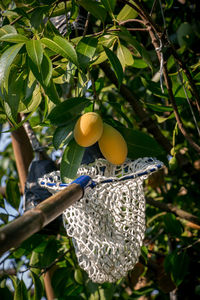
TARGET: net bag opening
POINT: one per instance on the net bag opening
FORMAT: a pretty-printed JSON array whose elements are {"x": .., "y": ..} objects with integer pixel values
[{"x": 107, "y": 225}]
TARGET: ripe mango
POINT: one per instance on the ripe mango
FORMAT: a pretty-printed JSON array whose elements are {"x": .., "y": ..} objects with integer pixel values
[
  {"x": 88, "y": 129},
  {"x": 112, "y": 145}
]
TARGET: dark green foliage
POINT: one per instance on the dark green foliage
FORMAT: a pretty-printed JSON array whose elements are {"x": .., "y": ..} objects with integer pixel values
[{"x": 53, "y": 79}]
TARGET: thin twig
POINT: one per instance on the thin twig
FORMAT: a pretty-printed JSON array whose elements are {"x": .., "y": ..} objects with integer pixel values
[
  {"x": 94, "y": 92},
  {"x": 86, "y": 24},
  {"x": 172, "y": 99},
  {"x": 156, "y": 37},
  {"x": 130, "y": 21},
  {"x": 182, "y": 65},
  {"x": 188, "y": 101},
  {"x": 155, "y": 28},
  {"x": 9, "y": 254},
  {"x": 20, "y": 17},
  {"x": 176, "y": 112},
  {"x": 153, "y": 6},
  {"x": 118, "y": 29},
  {"x": 54, "y": 262},
  {"x": 179, "y": 74},
  {"x": 191, "y": 245},
  {"x": 142, "y": 13}
]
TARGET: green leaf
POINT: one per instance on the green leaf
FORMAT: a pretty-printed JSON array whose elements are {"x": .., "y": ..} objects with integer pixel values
[
  {"x": 61, "y": 279},
  {"x": 6, "y": 60},
  {"x": 169, "y": 3},
  {"x": 119, "y": 108},
  {"x": 140, "y": 144},
  {"x": 7, "y": 29},
  {"x": 185, "y": 35},
  {"x": 4, "y": 217},
  {"x": 99, "y": 84},
  {"x": 159, "y": 107},
  {"x": 63, "y": 134},
  {"x": 68, "y": 110},
  {"x": 139, "y": 63},
  {"x": 62, "y": 47},
  {"x": 14, "y": 38},
  {"x": 37, "y": 15},
  {"x": 71, "y": 161},
  {"x": 44, "y": 76},
  {"x": 95, "y": 8},
  {"x": 13, "y": 193},
  {"x": 52, "y": 93},
  {"x": 109, "y": 5},
  {"x": 161, "y": 119},
  {"x": 107, "y": 292},
  {"x": 172, "y": 225},
  {"x": 35, "y": 261},
  {"x": 50, "y": 252},
  {"x": 2, "y": 203},
  {"x": 126, "y": 13},
  {"x": 15, "y": 92},
  {"x": 46, "y": 70},
  {"x": 147, "y": 290},
  {"x": 154, "y": 87},
  {"x": 125, "y": 35},
  {"x": 33, "y": 103},
  {"x": 197, "y": 76},
  {"x": 38, "y": 288},
  {"x": 115, "y": 64},
  {"x": 35, "y": 52},
  {"x": 124, "y": 55},
  {"x": 15, "y": 281},
  {"x": 144, "y": 253},
  {"x": 85, "y": 50},
  {"x": 177, "y": 264},
  {"x": 78, "y": 276},
  {"x": 30, "y": 87},
  {"x": 21, "y": 291},
  {"x": 32, "y": 243}
]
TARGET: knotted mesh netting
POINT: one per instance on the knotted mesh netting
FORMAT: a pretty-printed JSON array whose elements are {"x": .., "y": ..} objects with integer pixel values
[{"x": 107, "y": 225}]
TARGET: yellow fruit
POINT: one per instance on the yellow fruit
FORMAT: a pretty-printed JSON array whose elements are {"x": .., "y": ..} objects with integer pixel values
[
  {"x": 112, "y": 145},
  {"x": 88, "y": 129}
]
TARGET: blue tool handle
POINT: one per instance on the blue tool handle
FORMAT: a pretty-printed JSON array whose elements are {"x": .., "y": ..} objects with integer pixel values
[{"x": 82, "y": 180}]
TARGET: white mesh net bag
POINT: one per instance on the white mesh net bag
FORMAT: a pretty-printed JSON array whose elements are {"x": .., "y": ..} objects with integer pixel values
[{"x": 107, "y": 225}]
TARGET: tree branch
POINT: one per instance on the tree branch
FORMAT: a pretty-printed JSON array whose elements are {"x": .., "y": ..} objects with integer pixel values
[
  {"x": 157, "y": 36},
  {"x": 23, "y": 153},
  {"x": 148, "y": 122},
  {"x": 182, "y": 65},
  {"x": 156, "y": 44},
  {"x": 174, "y": 210},
  {"x": 157, "y": 30},
  {"x": 3, "y": 191}
]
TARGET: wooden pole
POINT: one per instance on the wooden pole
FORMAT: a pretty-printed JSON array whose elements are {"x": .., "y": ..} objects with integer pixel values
[
  {"x": 23, "y": 153},
  {"x": 13, "y": 234},
  {"x": 48, "y": 286}
]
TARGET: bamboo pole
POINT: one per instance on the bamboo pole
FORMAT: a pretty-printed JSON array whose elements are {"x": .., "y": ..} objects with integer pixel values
[{"x": 13, "y": 234}]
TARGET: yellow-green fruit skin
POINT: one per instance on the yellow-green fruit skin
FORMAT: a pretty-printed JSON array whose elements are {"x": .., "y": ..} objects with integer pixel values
[
  {"x": 88, "y": 129},
  {"x": 112, "y": 145}
]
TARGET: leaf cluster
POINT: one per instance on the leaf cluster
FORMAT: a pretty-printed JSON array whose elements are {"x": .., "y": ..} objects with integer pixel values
[{"x": 103, "y": 59}]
